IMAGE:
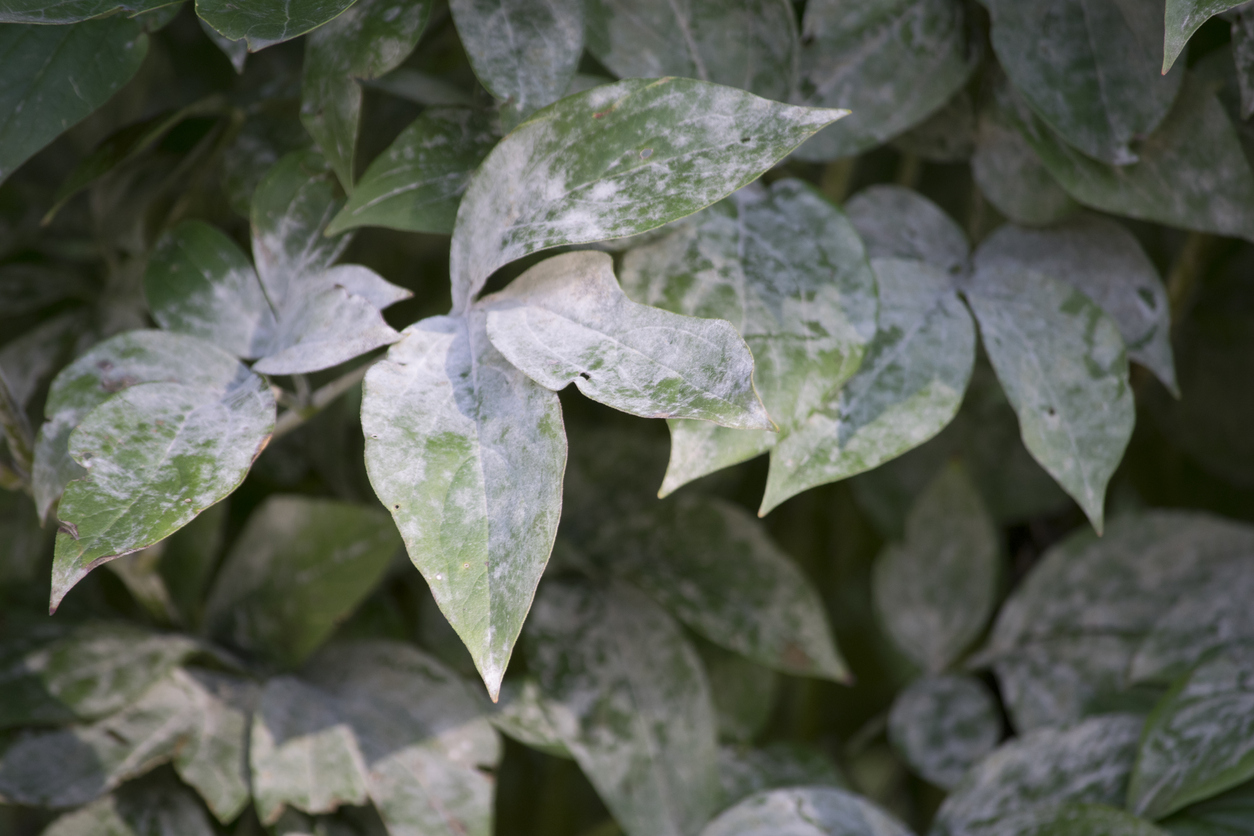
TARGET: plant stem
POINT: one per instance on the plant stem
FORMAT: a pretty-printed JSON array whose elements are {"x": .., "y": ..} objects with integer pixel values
[
  {"x": 908, "y": 170},
  {"x": 16, "y": 431},
  {"x": 320, "y": 400},
  {"x": 836, "y": 178},
  {"x": 1187, "y": 270}
]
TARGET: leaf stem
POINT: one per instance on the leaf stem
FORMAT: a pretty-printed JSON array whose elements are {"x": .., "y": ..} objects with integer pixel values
[
  {"x": 17, "y": 432},
  {"x": 320, "y": 400},
  {"x": 1187, "y": 270},
  {"x": 836, "y": 179},
  {"x": 909, "y": 170}
]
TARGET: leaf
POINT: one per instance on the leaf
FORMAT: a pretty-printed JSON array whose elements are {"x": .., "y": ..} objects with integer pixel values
[
  {"x": 1192, "y": 171},
  {"x": 149, "y": 808},
  {"x": 56, "y": 75},
  {"x": 1183, "y": 18},
  {"x": 325, "y": 328},
  {"x": 417, "y": 183},
  {"x": 73, "y": 11},
  {"x": 750, "y": 45},
  {"x": 1243, "y": 57},
  {"x": 1199, "y": 740},
  {"x": 787, "y": 268},
  {"x": 715, "y": 569},
  {"x": 744, "y": 771},
  {"x": 896, "y": 222},
  {"x": 1063, "y": 366},
  {"x": 302, "y": 752},
  {"x": 156, "y": 455},
  {"x": 371, "y": 38},
  {"x": 523, "y": 52},
  {"x": 805, "y": 811},
  {"x": 935, "y": 591},
  {"x": 523, "y": 714},
  {"x": 297, "y": 570},
  {"x": 947, "y": 136},
  {"x": 1102, "y": 260},
  {"x": 213, "y": 759},
  {"x": 1013, "y": 177},
  {"x": 1227, "y": 814},
  {"x": 235, "y": 51},
  {"x": 909, "y": 387},
  {"x": 566, "y": 320},
  {"x": 743, "y": 692},
  {"x": 1089, "y": 68},
  {"x": 467, "y": 454},
  {"x": 189, "y": 558},
  {"x": 642, "y": 152},
  {"x": 1079, "y": 820},
  {"x": 633, "y": 704},
  {"x": 942, "y": 725},
  {"x": 264, "y": 23},
  {"x": 1089, "y": 762},
  {"x": 892, "y": 62}
]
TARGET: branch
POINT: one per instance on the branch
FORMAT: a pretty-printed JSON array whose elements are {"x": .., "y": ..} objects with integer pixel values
[{"x": 320, "y": 400}]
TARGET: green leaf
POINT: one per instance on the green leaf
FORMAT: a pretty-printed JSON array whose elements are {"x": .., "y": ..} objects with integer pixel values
[
  {"x": 566, "y": 320},
  {"x": 1228, "y": 814},
  {"x": 1065, "y": 371},
  {"x": 148, "y": 808},
  {"x": 1079, "y": 820},
  {"x": 156, "y": 455},
  {"x": 935, "y": 591},
  {"x": 1102, "y": 260},
  {"x": 1192, "y": 170},
  {"x": 417, "y": 183},
  {"x": 895, "y": 222},
  {"x": 264, "y": 23},
  {"x": 524, "y": 52},
  {"x": 213, "y": 759},
  {"x": 1243, "y": 57},
  {"x": 743, "y": 691},
  {"x": 631, "y": 704},
  {"x": 787, "y": 268},
  {"x": 714, "y": 567},
  {"x": 94, "y": 670},
  {"x": 641, "y": 152},
  {"x": 369, "y": 39},
  {"x": 235, "y": 51},
  {"x": 1089, "y": 68},
  {"x": 892, "y": 62},
  {"x": 942, "y": 725},
  {"x": 189, "y": 558},
  {"x": 744, "y": 771},
  {"x": 56, "y": 75},
  {"x": 74, "y": 11},
  {"x": 467, "y": 454},
  {"x": 751, "y": 45},
  {"x": 523, "y": 713},
  {"x": 1199, "y": 740},
  {"x": 298, "y": 569},
  {"x": 1089, "y": 762},
  {"x": 805, "y": 811},
  {"x": 1013, "y": 177},
  {"x": 1183, "y": 18},
  {"x": 909, "y": 387}
]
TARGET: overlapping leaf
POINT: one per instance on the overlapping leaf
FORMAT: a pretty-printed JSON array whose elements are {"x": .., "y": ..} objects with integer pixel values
[
  {"x": 1013, "y": 177},
  {"x": 1079, "y": 820},
  {"x": 942, "y": 725},
  {"x": 806, "y": 811},
  {"x": 743, "y": 691},
  {"x": 1183, "y": 18},
  {"x": 148, "y": 808},
  {"x": 212, "y": 758},
  {"x": 264, "y": 23},
  {"x": 744, "y": 771},
  {"x": 73, "y": 11}
]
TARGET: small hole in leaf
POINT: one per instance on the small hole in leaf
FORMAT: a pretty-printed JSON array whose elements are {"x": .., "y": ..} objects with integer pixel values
[
  {"x": 745, "y": 139},
  {"x": 585, "y": 375},
  {"x": 646, "y": 153},
  {"x": 1051, "y": 412},
  {"x": 397, "y": 507}
]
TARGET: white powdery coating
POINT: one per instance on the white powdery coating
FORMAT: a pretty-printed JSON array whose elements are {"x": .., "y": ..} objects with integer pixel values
[
  {"x": 807, "y": 811},
  {"x": 896, "y": 222},
  {"x": 942, "y": 725},
  {"x": 323, "y": 328}
]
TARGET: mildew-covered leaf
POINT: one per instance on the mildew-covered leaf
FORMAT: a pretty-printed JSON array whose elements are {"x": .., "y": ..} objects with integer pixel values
[
  {"x": 1013, "y": 177},
  {"x": 942, "y": 725},
  {"x": 786, "y": 268},
  {"x": 896, "y": 222},
  {"x": 56, "y": 75},
  {"x": 1089, "y": 762},
  {"x": 1192, "y": 171},
  {"x": 631, "y": 704},
  {"x": 743, "y": 691},
  {"x": 323, "y": 328},
  {"x": 1183, "y": 18},
  {"x": 264, "y": 23},
  {"x": 1101, "y": 259},
  {"x": 892, "y": 62},
  {"x": 73, "y": 11},
  {"x": 299, "y": 567},
  {"x": 805, "y": 811},
  {"x": 1078, "y": 820},
  {"x": 213, "y": 758},
  {"x": 467, "y": 453},
  {"x": 152, "y": 807},
  {"x": 744, "y": 771},
  {"x": 1063, "y": 366},
  {"x": 614, "y": 161},
  {"x": 156, "y": 455},
  {"x": 909, "y": 387},
  {"x": 714, "y": 567},
  {"x": 417, "y": 183},
  {"x": 1089, "y": 68},
  {"x": 524, "y": 52},
  {"x": 566, "y": 320},
  {"x": 1199, "y": 740},
  {"x": 935, "y": 591},
  {"x": 523, "y": 714},
  {"x": 1227, "y": 814},
  {"x": 368, "y": 40},
  {"x": 751, "y": 45}
]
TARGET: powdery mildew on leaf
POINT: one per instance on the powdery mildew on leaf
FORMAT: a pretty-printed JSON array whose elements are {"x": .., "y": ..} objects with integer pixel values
[
  {"x": 417, "y": 183},
  {"x": 935, "y": 591},
  {"x": 146, "y": 808},
  {"x": 744, "y": 771},
  {"x": 805, "y": 811},
  {"x": 155, "y": 455},
  {"x": 1105, "y": 262},
  {"x": 1199, "y": 740},
  {"x": 213, "y": 758},
  {"x": 1089, "y": 762},
  {"x": 631, "y": 704},
  {"x": 896, "y": 222},
  {"x": 264, "y": 23},
  {"x": 1079, "y": 820},
  {"x": 566, "y": 321},
  {"x": 744, "y": 693},
  {"x": 786, "y": 268},
  {"x": 752, "y": 45},
  {"x": 942, "y": 725},
  {"x": 323, "y": 329},
  {"x": 72, "y": 11},
  {"x": 467, "y": 453},
  {"x": 1064, "y": 368},
  {"x": 614, "y": 161},
  {"x": 892, "y": 62},
  {"x": 524, "y": 52},
  {"x": 1089, "y": 68},
  {"x": 523, "y": 715},
  {"x": 715, "y": 569}
]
